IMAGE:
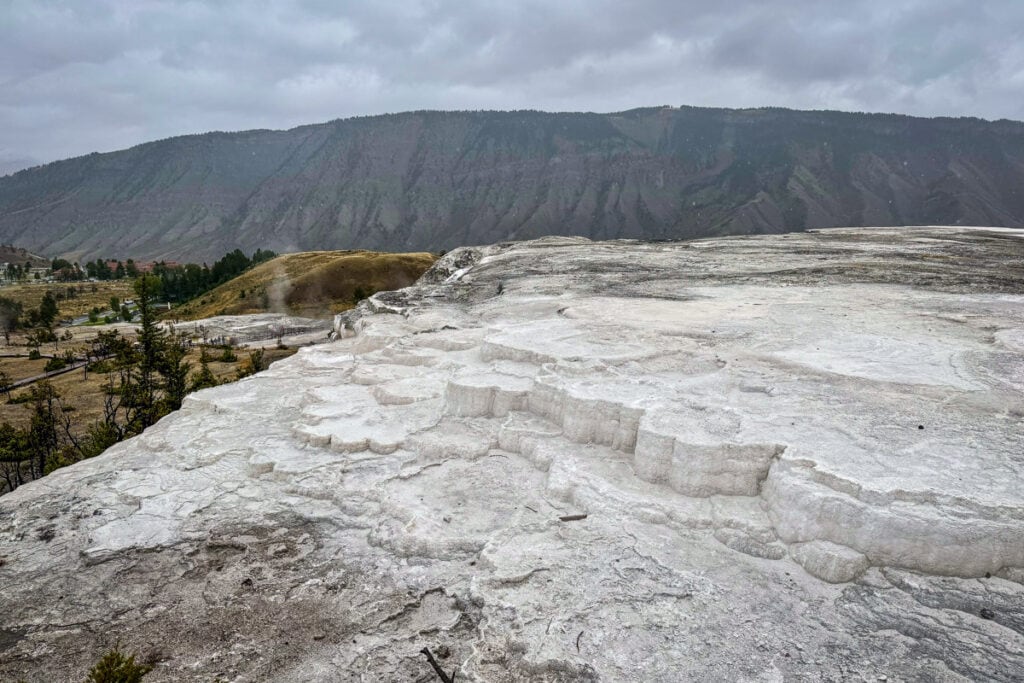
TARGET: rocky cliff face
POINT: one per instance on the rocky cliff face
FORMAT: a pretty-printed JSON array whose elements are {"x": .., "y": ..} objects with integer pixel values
[
  {"x": 757, "y": 458},
  {"x": 437, "y": 180}
]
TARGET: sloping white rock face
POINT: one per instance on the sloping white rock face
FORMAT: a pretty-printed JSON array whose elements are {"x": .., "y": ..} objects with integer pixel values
[{"x": 792, "y": 457}]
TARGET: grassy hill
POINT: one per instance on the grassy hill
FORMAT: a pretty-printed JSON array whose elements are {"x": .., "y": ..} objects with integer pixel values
[{"x": 311, "y": 284}]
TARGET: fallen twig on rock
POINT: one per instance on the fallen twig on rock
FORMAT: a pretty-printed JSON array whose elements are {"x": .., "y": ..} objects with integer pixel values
[
  {"x": 445, "y": 678},
  {"x": 572, "y": 518}
]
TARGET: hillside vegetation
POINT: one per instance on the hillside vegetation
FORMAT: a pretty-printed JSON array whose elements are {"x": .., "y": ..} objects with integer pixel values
[
  {"x": 311, "y": 284},
  {"x": 427, "y": 181}
]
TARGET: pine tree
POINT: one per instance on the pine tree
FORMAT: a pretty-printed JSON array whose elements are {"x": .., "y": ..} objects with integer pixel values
[
  {"x": 43, "y": 438},
  {"x": 204, "y": 378},
  {"x": 48, "y": 309},
  {"x": 151, "y": 340},
  {"x": 172, "y": 367}
]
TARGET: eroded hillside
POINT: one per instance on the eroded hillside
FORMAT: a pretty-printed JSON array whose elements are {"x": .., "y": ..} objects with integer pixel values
[{"x": 429, "y": 181}]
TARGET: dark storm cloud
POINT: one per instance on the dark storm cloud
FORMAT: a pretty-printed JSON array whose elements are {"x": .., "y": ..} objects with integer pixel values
[{"x": 84, "y": 75}]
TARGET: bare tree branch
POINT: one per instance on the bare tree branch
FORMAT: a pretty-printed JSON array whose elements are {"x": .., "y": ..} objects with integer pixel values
[{"x": 445, "y": 678}]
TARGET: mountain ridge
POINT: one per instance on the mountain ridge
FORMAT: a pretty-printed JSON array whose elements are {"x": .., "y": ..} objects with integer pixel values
[{"x": 433, "y": 180}]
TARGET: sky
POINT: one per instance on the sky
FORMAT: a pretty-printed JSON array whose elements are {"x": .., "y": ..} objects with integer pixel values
[{"x": 78, "y": 76}]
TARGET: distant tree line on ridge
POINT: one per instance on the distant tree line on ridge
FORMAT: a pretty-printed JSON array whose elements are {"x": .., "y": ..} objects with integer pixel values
[
  {"x": 178, "y": 282},
  {"x": 186, "y": 282}
]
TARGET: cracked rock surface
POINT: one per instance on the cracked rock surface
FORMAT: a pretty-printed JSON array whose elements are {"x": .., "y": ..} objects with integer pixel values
[{"x": 791, "y": 457}]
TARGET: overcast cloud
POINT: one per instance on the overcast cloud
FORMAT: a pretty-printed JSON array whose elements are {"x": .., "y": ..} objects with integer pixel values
[{"x": 95, "y": 75}]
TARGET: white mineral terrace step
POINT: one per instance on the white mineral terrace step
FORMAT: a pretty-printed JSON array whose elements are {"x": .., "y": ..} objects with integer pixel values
[{"x": 703, "y": 461}]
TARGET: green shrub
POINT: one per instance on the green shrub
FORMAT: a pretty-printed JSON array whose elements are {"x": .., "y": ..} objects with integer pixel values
[
  {"x": 253, "y": 364},
  {"x": 114, "y": 667},
  {"x": 228, "y": 355},
  {"x": 55, "y": 364},
  {"x": 203, "y": 379},
  {"x": 34, "y": 354},
  {"x": 100, "y": 366}
]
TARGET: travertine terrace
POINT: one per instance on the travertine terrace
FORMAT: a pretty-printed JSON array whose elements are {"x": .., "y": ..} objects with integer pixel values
[{"x": 793, "y": 457}]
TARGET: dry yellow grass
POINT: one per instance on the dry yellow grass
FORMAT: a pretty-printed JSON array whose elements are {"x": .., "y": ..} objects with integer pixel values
[
  {"x": 87, "y": 294},
  {"x": 20, "y": 368},
  {"x": 312, "y": 283}
]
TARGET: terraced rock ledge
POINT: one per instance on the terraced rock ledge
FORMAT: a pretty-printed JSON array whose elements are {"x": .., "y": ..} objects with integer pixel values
[{"x": 793, "y": 457}]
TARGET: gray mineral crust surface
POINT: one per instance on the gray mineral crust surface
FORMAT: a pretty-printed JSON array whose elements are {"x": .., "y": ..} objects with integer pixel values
[{"x": 777, "y": 458}]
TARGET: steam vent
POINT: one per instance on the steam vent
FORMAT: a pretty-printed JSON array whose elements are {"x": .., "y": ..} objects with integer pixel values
[{"x": 788, "y": 457}]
